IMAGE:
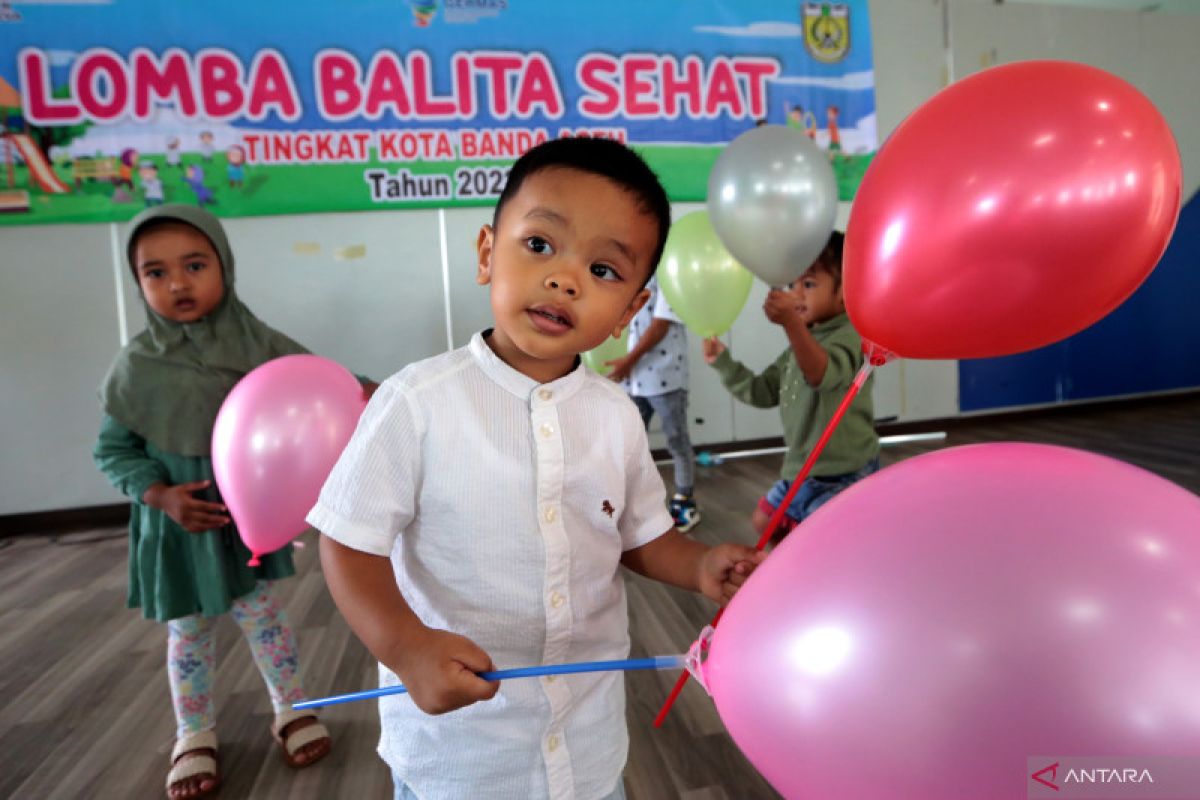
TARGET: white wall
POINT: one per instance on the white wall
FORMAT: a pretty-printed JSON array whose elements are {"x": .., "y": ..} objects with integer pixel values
[
  {"x": 59, "y": 328},
  {"x": 60, "y": 319}
]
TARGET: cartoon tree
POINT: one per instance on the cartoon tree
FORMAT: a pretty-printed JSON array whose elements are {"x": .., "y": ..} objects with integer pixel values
[
  {"x": 44, "y": 136},
  {"x": 47, "y": 136}
]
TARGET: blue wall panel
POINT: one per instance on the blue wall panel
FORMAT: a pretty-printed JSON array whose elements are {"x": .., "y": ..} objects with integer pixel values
[{"x": 1150, "y": 343}]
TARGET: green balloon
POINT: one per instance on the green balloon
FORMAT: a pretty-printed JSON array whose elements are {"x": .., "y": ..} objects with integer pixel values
[
  {"x": 608, "y": 350},
  {"x": 703, "y": 283}
]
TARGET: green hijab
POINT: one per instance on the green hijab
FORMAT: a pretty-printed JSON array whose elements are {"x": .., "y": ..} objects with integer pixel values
[{"x": 168, "y": 383}]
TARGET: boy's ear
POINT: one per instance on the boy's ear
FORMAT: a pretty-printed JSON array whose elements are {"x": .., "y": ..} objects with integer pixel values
[
  {"x": 635, "y": 306},
  {"x": 484, "y": 245}
]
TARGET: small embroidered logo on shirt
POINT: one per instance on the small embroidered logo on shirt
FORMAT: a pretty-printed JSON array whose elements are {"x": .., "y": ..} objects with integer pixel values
[{"x": 607, "y": 508}]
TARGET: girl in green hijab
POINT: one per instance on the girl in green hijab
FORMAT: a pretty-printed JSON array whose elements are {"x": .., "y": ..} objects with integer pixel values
[{"x": 186, "y": 563}]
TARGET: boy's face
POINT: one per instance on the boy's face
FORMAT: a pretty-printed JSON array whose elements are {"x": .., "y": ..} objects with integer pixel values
[
  {"x": 179, "y": 272},
  {"x": 566, "y": 264},
  {"x": 818, "y": 296}
]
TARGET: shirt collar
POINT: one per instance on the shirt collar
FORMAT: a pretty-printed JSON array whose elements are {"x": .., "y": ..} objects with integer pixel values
[
  {"x": 831, "y": 324},
  {"x": 518, "y": 383}
]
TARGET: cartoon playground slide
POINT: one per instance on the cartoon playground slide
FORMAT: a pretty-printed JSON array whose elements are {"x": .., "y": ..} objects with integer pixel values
[{"x": 41, "y": 172}]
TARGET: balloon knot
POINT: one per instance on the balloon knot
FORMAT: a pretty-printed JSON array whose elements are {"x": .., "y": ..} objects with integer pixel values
[
  {"x": 697, "y": 654},
  {"x": 877, "y": 355}
]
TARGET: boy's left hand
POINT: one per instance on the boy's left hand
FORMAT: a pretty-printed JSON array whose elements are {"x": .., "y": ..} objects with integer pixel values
[{"x": 725, "y": 568}]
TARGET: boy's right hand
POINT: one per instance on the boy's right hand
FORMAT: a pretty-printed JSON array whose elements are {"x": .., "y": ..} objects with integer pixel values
[
  {"x": 180, "y": 504},
  {"x": 438, "y": 669},
  {"x": 713, "y": 347},
  {"x": 782, "y": 307}
]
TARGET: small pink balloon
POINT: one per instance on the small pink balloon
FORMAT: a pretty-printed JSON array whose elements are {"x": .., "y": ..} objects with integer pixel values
[
  {"x": 938, "y": 624},
  {"x": 277, "y": 436}
]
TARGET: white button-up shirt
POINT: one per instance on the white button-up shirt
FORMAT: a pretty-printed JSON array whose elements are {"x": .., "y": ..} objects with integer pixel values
[{"x": 505, "y": 506}]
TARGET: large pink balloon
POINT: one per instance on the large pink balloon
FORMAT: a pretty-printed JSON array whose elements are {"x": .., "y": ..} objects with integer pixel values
[
  {"x": 277, "y": 436},
  {"x": 1013, "y": 209},
  {"x": 934, "y": 626}
]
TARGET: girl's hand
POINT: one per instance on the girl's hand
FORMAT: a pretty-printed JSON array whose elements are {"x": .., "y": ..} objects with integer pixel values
[
  {"x": 193, "y": 514},
  {"x": 725, "y": 568},
  {"x": 712, "y": 347},
  {"x": 438, "y": 669}
]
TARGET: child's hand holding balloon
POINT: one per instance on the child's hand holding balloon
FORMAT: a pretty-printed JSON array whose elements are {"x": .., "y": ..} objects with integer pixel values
[
  {"x": 713, "y": 347},
  {"x": 725, "y": 568},
  {"x": 781, "y": 306}
]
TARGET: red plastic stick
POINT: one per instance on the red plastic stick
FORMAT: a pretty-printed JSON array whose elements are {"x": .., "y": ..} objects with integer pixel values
[{"x": 875, "y": 357}]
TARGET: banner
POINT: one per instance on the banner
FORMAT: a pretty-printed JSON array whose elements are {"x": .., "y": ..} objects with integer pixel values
[{"x": 280, "y": 108}]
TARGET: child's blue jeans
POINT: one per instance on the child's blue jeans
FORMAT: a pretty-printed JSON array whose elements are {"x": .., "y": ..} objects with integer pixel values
[
  {"x": 672, "y": 409},
  {"x": 812, "y": 494}
]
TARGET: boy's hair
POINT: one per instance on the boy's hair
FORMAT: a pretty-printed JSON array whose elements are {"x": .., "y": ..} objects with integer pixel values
[
  {"x": 830, "y": 259},
  {"x": 606, "y": 158}
]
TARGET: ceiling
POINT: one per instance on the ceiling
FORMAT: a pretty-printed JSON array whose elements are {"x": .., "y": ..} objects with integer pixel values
[{"x": 1147, "y": 6}]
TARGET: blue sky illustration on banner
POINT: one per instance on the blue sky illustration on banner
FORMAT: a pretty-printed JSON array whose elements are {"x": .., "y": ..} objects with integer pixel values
[{"x": 95, "y": 92}]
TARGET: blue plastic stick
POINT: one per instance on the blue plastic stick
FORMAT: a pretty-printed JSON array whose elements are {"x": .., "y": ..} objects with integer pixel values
[{"x": 655, "y": 662}]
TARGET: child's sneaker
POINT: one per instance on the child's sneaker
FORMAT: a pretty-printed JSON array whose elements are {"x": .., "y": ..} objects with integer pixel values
[{"x": 683, "y": 509}]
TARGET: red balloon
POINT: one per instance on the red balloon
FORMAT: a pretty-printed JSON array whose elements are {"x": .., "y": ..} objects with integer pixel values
[{"x": 1013, "y": 209}]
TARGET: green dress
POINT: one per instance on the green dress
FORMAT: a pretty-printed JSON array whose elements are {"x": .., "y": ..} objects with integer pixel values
[{"x": 174, "y": 573}]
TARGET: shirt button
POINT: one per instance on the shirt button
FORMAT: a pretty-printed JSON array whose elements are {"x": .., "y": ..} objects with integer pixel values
[
  {"x": 545, "y": 394},
  {"x": 547, "y": 430},
  {"x": 550, "y": 514},
  {"x": 556, "y": 600},
  {"x": 552, "y": 743}
]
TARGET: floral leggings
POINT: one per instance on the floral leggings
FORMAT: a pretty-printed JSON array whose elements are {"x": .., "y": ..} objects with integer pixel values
[{"x": 191, "y": 658}]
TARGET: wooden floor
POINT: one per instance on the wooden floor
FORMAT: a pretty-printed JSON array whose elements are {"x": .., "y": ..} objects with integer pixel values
[{"x": 85, "y": 711}]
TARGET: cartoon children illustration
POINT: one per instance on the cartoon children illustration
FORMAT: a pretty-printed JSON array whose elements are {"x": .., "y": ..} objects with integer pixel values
[
  {"x": 152, "y": 185},
  {"x": 800, "y": 119},
  {"x": 835, "y": 139},
  {"x": 235, "y": 166},
  {"x": 423, "y": 12},
  {"x": 206, "y": 145},
  {"x": 195, "y": 179},
  {"x": 128, "y": 161},
  {"x": 173, "y": 156}
]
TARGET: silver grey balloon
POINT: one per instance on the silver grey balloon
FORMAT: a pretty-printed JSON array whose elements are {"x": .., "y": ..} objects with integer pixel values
[{"x": 772, "y": 197}]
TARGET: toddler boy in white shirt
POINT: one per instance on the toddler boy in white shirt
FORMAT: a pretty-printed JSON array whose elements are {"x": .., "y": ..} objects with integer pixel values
[{"x": 478, "y": 517}]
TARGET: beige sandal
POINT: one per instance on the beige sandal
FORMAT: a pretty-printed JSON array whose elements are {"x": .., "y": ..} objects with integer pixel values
[
  {"x": 299, "y": 737},
  {"x": 195, "y": 756}
]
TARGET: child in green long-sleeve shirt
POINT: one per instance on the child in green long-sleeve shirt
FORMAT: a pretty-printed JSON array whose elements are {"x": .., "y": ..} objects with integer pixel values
[{"x": 808, "y": 382}]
